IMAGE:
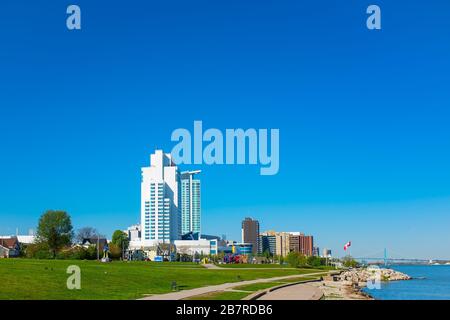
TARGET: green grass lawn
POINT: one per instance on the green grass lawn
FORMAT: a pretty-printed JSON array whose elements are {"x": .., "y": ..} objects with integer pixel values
[{"x": 46, "y": 279}]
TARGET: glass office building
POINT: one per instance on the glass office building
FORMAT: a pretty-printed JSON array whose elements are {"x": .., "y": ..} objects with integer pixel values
[{"x": 190, "y": 203}]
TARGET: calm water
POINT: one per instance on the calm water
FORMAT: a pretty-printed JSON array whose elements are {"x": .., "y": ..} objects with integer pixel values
[{"x": 433, "y": 283}]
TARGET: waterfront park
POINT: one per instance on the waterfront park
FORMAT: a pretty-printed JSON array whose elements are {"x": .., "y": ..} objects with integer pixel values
[{"x": 25, "y": 279}]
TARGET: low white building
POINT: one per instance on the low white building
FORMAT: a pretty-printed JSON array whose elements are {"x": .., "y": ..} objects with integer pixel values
[
  {"x": 29, "y": 239},
  {"x": 192, "y": 247},
  {"x": 134, "y": 235},
  {"x": 26, "y": 239},
  {"x": 326, "y": 253},
  {"x": 134, "y": 232}
]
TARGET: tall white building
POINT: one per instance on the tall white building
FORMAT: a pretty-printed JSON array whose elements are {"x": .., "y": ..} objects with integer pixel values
[
  {"x": 190, "y": 203},
  {"x": 160, "y": 201}
]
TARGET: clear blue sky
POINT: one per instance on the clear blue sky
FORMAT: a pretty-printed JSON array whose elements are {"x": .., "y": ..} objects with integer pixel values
[{"x": 363, "y": 115}]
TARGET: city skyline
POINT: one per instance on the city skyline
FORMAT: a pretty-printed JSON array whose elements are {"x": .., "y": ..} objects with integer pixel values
[{"x": 363, "y": 116}]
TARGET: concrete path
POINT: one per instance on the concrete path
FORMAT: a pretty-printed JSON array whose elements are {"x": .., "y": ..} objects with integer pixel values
[
  {"x": 211, "y": 266},
  {"x": 184, "y": 294},
  {"x": 216, "y": 267},
  {"x": 300, "y": 291}
]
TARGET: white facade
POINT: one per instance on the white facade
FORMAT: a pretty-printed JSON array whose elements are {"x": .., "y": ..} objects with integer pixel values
[
  {"x": 134, "y": 232},
  {"x": 160, "y": 201},
  {"x": 326, "y": 253},
  {"x": 191, "y": 247},
  {"x": 26, "y": 239},
  {"x": 134, "y": 235}
]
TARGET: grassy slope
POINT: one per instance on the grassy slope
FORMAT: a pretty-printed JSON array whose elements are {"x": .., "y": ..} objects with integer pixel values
[{"x": 46, "y": 279}]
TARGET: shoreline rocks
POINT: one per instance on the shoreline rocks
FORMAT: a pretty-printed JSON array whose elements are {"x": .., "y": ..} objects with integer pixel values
[
  {"x": 360, "y": 276},
  {"x": 349, "y": 284}
]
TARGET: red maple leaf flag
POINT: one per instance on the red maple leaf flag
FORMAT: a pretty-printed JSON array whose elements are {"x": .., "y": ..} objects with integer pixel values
[{"x": 348, "y": 244}]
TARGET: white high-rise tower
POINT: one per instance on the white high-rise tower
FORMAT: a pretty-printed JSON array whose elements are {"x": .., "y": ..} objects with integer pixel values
[{"x": 160, "y": 201}]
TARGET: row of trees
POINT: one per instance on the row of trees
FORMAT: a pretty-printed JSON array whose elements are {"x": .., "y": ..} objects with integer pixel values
[
  {"x": 296, "y": 260},
  {"x": 55, "y": 239}
]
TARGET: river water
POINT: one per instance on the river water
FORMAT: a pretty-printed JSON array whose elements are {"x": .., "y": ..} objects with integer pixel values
[{"x": 430, "y": 282}]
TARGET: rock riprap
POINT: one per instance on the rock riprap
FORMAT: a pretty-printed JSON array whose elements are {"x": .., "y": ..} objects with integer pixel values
[{"x": 360, "y": 276}]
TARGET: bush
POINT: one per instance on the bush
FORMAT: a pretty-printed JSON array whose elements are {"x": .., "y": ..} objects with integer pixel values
[
  {"x": 42, "y": 251},
  {"x": 349, "y": 262},
  {"x": 73, "y": 253},
  {"x": 294, "y": 259},
  {"x": 38, "y": 251},
  {"x": 315, "y": 261},
  {"x": 297, "y": 260},
  {"x": 91, "y": 253},
  {"x": 115, "y": 251}
]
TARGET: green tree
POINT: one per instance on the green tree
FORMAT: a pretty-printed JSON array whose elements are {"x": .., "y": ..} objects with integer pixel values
[
  {"x": 220, "y": 256},
  {"x": 39, "y": 250},
  {"x": 120, "y": 239},
  {"x": 293, "y": 259},
  {"x": 55, "y": 230},
  {"x": 279, "y": 259},
  {"x": 115, "y": 251},
  {"x": 268, "y": 255},
  {"x": 296, "y": 259},
  {"x": 314, "y": 261},
  {"x": 349, "y": 262}
]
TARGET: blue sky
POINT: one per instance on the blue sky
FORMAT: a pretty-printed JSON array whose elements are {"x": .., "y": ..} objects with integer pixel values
[{"x": 363, "y": 115}]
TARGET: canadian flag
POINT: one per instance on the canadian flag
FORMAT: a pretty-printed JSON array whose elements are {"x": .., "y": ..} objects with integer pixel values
[{"x": 348, "y": 244}]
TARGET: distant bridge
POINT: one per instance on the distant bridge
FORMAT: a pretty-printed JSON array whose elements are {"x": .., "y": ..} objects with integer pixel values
[
  {"x": 392, "y": 260},
  {"x": 386, "y": 260}
]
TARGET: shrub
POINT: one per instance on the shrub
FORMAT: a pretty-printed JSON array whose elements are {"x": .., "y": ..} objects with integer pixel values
[
  {"x": 38, "y": 251},
  {"x": 293, "y": 259},
  {"x": 115, "y": 252},
  {"x": 349, "y": 262},
  {"x": 315, "y": 261}
]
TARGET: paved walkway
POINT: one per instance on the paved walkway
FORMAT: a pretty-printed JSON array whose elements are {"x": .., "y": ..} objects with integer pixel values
[
  {"x": 216, "y": 267},
  {"x": 300, "y": 291},
  {"x": 212, "y": 266},
  {"x": 184, "y": 294}
]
